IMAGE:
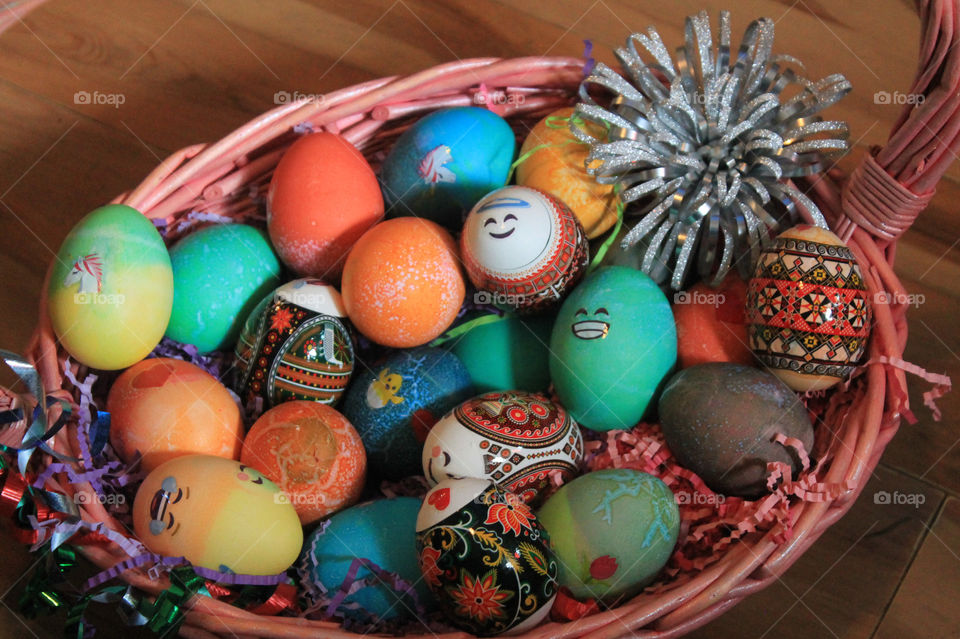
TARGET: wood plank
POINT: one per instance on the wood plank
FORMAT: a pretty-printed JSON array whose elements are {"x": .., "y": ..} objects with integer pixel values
[
  {"x": 841, "y": 586},
  {"x": 926, "y": 603}
]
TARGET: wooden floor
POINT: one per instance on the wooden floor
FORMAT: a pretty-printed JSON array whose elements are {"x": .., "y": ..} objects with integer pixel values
[{"x": 192, "y": 70}]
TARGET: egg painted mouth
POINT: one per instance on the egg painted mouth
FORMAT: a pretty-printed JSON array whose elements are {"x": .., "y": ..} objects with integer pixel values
[
  {"x": 500, "y": 236},
  {"x": 590, "y": 329}
]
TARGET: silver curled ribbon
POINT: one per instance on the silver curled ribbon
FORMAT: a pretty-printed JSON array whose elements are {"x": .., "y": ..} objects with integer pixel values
[
  {"x": 39, "y": 428},
  {"x": 708, "y": 142}
]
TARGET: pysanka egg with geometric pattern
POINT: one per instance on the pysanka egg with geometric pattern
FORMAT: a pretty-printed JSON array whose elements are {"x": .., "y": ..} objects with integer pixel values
[
  {"x": 808, "y": 310},
  {"x": 514, "y": 438},
  {"x": 295, "y": 345},
  {"x": 524, "y": 247}
]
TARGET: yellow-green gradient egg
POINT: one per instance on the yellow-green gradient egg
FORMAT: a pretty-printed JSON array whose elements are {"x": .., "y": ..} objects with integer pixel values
[
  {"x": 219, "y": 514},
  {"x": 111, "y": 290}
]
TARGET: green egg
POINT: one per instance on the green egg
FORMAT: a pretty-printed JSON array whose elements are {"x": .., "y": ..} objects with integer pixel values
[
  {"x": 613, "y": 342},
  {"x": 612, "y": 531},
  {"x": 508, "y": 354},
  {"x": 219, "y": 275}
]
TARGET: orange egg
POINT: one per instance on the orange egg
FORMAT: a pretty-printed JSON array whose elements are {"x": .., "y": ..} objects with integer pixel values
[
  {"x": 322, "y": 198},
  {"x": 312, "y": 452},
  {"x": 402, "y": 283},
  {"x": 711, "y": 324},
  {"x": 558, "y": 169},
  {"x": 163, "y": 408}
]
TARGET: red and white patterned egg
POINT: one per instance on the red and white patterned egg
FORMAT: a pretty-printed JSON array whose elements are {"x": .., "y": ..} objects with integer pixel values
[
  {"x": 808, "y": 310},
  {"x": 514, "y": 438},
  {"x": 524, "y": 248}
]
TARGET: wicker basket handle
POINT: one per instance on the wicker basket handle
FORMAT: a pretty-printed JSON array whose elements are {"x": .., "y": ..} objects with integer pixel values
[{"x": 892, "y": 185}]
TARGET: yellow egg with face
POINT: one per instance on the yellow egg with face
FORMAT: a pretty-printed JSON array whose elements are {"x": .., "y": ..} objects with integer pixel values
[{"x": 219, "y": 514}]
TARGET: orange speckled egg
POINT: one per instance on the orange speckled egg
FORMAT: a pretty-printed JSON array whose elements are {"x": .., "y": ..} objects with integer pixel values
[
  {"x": 312, "y": 452},
  {"x": 322, "y": 198},
  {"x": 558, "y": 169},
  {"x": 711, "y": 324},
  {"x": 163, "y": 408},
  {"x": 402, "y": 283}
]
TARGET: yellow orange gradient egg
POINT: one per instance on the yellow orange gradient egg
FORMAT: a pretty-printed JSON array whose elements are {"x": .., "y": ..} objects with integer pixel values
[
  {"x": 558, "y": 169},
  {"x": 162, "y": 408},
  {"x": 312, "y": 452},
  {"x": 219, "y": 514},
  {"x": 402, "y": 283}
]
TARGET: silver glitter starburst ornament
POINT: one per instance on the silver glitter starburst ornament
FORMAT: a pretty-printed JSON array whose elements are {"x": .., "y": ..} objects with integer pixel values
[{"x": 705, "y": 146}]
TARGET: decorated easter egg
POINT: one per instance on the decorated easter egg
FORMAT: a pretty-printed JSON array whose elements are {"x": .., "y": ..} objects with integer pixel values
[
  {"x": 295, "y": 344},
  {"x": 556, "y": 165},
  {"x": 381, "y": 532},
  {"x": 711, "y": 323},
  {"x": 612, "y": 531},
  {"x": 322, "y": 197},
  {"x": 219, "y": 514},
  {"x": 111, "y": 288},
  {"x": 220, "y": 273},
  {"x": 721, "y": 421},
  {"x": 524, "y": 247},
  {"x": 394, "y": 404},
  {"x": 445, "y": 162},
  {"x": 163, "y": 408},
  {"x": 508, "y": 353},
  {"x": 807, "y": 308},
  {"x": 515, "y": 438},
  {"x": 402, "y": 284},
  {"x": 312, "y": 453},
  {"x": 613, "y": 342},
  {"x": 485, "y": 557}
]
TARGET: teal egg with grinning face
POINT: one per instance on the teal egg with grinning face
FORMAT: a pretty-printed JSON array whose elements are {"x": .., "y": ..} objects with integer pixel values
[{"x": 613, "y": 343}]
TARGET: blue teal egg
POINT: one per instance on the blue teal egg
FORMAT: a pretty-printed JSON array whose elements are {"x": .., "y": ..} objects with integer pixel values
[
  {"x": 220, "y": 273},
  {"x": 383, "y": 532},
  {"x": 507, "y": 354},
  {"x": 443, "y": 164},
  {"x": 613, "y": 343},
  {"x": 394, "y": 404}
]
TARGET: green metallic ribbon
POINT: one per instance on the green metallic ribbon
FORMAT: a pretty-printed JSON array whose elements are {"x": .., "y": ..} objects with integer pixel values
[{"x": 40, "y": 428}]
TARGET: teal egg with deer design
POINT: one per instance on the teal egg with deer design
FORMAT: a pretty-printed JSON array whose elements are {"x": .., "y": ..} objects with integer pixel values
[
  {"x": 485, "y": 557},
  {"x": 612, "y": 532}
]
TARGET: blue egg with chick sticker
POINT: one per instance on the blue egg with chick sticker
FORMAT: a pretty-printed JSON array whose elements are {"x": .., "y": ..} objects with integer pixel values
[
  {"x": 395, "y": 403},
  {"x": 443, "y": 164},
  {"x": 613, "y": 342}
]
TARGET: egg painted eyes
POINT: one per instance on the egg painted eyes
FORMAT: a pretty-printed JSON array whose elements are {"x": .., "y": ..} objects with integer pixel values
[
  {"x": 507, "y": 218},
  {"x": 242, "y": 476}
]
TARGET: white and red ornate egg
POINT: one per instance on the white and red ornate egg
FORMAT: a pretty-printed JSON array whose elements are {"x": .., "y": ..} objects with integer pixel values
[
  {"x": 524, "y": 247},
  {"x": 514, "y": 438},
  {"x": 808, "y": 310}
]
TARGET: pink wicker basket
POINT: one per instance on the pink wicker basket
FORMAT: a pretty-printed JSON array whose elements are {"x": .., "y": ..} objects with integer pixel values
[{"x": 870, "y": 209}]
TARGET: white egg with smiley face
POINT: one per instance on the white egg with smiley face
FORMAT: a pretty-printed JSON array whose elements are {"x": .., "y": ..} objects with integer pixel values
[{"x": 524, "y": 246}]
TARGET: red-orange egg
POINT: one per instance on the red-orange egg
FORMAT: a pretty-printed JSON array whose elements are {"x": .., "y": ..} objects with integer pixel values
[
  {"x": 163, "y": 408},
  {"x": 312, "y": 452},
  {"x": 402, "y": 283},
  {"x": 711, "y": 324},
  {"x": 322, "y": 198}
]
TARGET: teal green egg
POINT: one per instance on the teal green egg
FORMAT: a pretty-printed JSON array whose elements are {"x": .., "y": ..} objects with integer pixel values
[
  {"x": 383, "y": 532},
  {"x": 446, "y": 162},
  {"x": 219, "y": 274},
  {"x": 111, "y": 288},
  {"x": 613, "y": 343},
  {"x": 612, "y": 531},
  {"x": 507, "y": 354}
]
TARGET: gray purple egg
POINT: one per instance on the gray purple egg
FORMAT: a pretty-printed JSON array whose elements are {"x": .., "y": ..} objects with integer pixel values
[{"x": 720, "y": 420}]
